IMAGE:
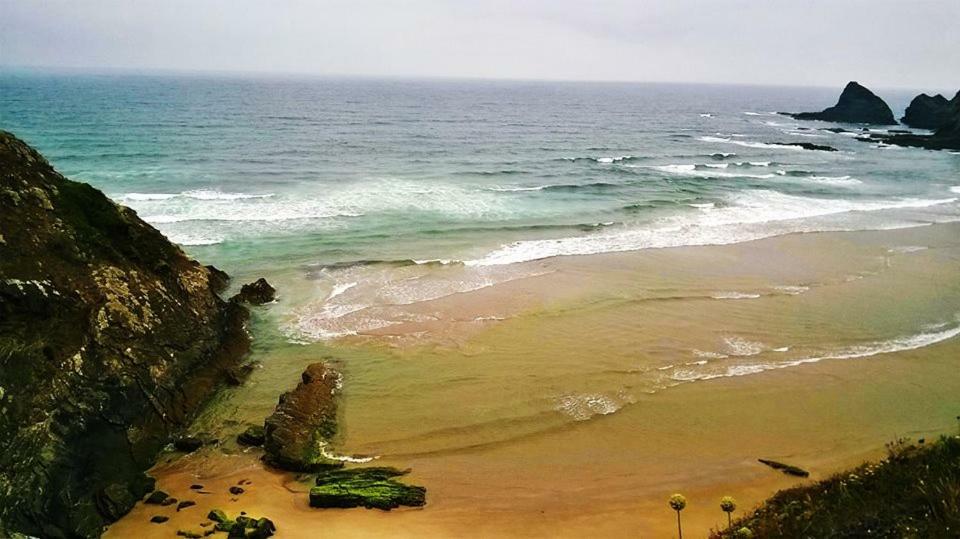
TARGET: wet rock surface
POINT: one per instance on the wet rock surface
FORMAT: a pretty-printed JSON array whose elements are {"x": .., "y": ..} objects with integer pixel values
[
  {"x": 856, "y": 104},
  {"x": 110, "y": 340},
  {"x": 373, "y": 488},
  {"x": 256, "y": 293},
  {"x": 303, "y": 422}
]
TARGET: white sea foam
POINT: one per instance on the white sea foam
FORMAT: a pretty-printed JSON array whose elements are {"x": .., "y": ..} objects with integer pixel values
[
  {"x": 198, "y": 194},
  {"x": 340, "y": 289},
  {"x": 749, "y": 144},
  {"x": 907, "y": 249},
  {"x": 792, "y": 290},
  {"x": 709, "y": 355},
  {"x": 513, "y": 189},
  {"x": 734, "y": 295},
  {"x": 614, "y": 159},
  {"x": 834, "y": 180},
  {"x": 748, "y": 215},
  {"x": 738, "y": 346},
  {"x": 706, "y": 115},
  {"x": 901, "y": 344},
  {"x": 955, "y": 189},
  {"x": 692, "y": 170},
  {"x": 582, "y": 407}
]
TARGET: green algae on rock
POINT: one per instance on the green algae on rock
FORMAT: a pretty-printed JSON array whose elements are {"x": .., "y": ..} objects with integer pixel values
[
  {"x": 110, "y": 340},
  {"x": 304, "y": 421},
  {"x": 373, "y": 488}
]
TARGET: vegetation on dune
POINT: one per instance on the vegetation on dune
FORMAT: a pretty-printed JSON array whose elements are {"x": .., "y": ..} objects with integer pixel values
[{"x": 913, "y": 492}]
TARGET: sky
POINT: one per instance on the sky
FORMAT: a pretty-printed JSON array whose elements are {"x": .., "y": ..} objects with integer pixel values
[{"x": 884, "y": 43}]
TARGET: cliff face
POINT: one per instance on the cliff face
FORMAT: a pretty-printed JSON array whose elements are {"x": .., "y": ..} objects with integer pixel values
[
  {"x": 946, "y": 137},
  {"x": 110, "y": 340},
  {"x": 857, "y": 104}
]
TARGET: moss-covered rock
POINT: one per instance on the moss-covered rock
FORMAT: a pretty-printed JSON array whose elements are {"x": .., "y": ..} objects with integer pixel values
[
  {"x": 110, "y": 340},
  {"x": 303, "y": 422},
  {"x": 252, "y": 436},
  {"x": 373, "y": 488}
]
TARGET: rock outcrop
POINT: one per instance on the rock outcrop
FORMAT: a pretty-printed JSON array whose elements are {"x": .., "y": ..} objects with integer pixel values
[
  {"x": 373, "y": 488},
  {"x": 256, "y": 293},
  {"x": 110, "y": 340},
  {"x": 303, "y": 422},
  {"x": 946, "y": 137},
  {"x": 856, "y": 105},
  {"x": 926, "y": 112}
]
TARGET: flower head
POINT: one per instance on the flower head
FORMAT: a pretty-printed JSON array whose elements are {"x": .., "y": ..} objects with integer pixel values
[
  {"x": 744, "y": 533},
  {"x": 678, "y": 502},
  {"x": 728, "y": 504}
]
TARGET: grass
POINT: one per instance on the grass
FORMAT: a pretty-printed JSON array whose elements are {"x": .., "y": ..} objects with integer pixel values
[{"x": 912, "y": 493}]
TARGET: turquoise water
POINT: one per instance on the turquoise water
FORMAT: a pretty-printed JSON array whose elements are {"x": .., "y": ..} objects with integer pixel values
[{"x": 262, "y": 173}]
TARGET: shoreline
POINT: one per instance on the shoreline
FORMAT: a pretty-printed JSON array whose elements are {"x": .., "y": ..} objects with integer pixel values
[{"x": 520, "y": 482}]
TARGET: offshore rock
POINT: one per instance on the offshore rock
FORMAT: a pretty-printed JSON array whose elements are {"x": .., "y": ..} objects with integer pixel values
[
  {"x": 303, "y": 422},
  {"x": 110, "y": 340},
  {"x": 856, "y": 105},
  {"x": 947, "y": 137},
  {"x": 926, "y": 112},
  {"x": 373, "y": 488},
  {"x": 256, "y": 293}
]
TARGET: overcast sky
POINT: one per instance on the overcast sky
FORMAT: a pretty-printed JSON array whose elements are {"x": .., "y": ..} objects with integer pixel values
[{"x": 885, "y": 43}]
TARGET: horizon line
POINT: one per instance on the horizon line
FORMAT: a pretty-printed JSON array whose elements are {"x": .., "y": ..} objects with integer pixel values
[{"x": 239, "y": 73}]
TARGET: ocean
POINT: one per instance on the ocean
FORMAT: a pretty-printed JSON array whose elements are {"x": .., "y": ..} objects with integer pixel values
[{"x": 545, "y": 297}]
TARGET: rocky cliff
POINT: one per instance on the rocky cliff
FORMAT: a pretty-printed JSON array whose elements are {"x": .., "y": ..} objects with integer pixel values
[
  {"x": 857, "y": 105},
  {"x": 110, "y": 340}
]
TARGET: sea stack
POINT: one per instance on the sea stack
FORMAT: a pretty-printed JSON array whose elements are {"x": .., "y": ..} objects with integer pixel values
[
  {"x": 926, "y": 112},
  {"x": 110, "y": 340},
  {"x": 857, "y": 105},
  {"x": 946, "y": 137}
]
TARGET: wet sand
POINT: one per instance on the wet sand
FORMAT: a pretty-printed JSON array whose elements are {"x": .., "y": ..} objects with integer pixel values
[{"x": 578, "y": 403}]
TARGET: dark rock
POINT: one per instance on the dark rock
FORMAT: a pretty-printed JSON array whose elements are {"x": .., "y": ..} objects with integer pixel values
[
  {"x": 218, "y": 279},
  {"x": 237, "y": 375},
  {"x": 217, "y": 515},
  {"x": 196, "y": 487},
  {"x": 946, "y": 137},
  {"x": 807, "y": 146},
  {"x": 168, "y": 501},
  {"x": 159, "y": 519},
  {"x": 115, "y": 500},
  {"x": 857, "y": 105},
  {"x": 187, "y": 444},
  {"x": 256, "y": 293},
  {"x": 373, "y": 488},
  {"x": 262, "y": 529},
  {"x": 785, "y": 468},
  {"x": 926, "y": 112},
  {"x": 253, "y": 436},
  {"x": 156, "y": 497},
  {"x": 112, "y": 339},
  {"x": 236, "y": 491},
  {"x": 185, "y": 503},
  {"x": 303, "y": 422}
]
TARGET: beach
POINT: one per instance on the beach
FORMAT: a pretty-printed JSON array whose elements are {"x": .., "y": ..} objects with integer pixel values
[{"x": 536, "y": 408}]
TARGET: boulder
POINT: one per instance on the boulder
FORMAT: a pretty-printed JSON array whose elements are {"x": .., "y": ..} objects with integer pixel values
[
  {"x": 253, "y": 436},
  {"x": 856, "y": 105},
  {"x": 785, "y": 468},
  {"x": 373, "y": 488},
  {"x": 303, "y": 422},
  {"x": 256, "y": 293},
  {"x": 926, "y": 112},
  {"x": 110, "y": 340}
]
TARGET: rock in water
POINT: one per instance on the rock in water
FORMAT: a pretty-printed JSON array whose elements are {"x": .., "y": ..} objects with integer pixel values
[
  {"x": 256, "y": 293},
  {"x": 303, "y": 422},
  {"x": 373, "y": 488},
  {"x": 110, "y": 339},
  {"x": 946, "y": 137},
  {"x": 857, "y": 105},
  {"x": 926, "y": 112},
  {"x": 253, "y": 436}
]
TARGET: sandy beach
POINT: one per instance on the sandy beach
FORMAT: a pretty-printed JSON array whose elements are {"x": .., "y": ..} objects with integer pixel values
[{"x": 590, "y": 391}]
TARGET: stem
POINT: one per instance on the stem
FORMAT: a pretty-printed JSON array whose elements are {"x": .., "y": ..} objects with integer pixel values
[
  {"x": 729, "y": 521},
  {"x": 679, "y": 529}
]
